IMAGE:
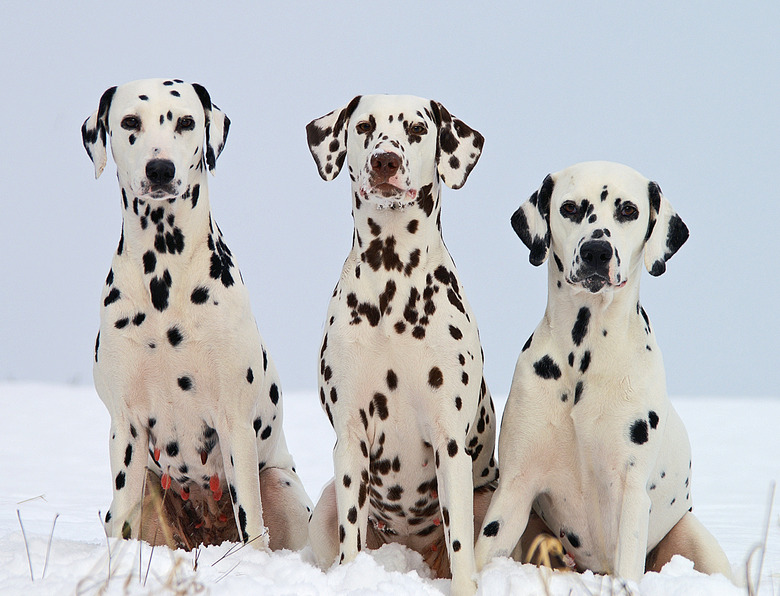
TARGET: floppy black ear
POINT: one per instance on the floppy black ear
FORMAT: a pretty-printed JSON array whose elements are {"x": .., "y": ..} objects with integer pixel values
[
  {"x": 217, "y": 127},
  {"x": 666, "y": 231},
  {"x": 531, "y": 222},
  {"x": 95, "y": 129},
  {"x": 458, "y": 149},
  {"x": 327, "y": 138}
]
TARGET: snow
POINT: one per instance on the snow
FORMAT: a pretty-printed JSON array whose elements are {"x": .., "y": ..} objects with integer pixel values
[{"x": 54, "y": 461}]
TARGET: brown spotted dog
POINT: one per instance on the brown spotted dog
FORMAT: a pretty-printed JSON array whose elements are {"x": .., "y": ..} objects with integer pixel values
[
  {"x": 194, "y": 398},
  {"x": 401, "y": 364}
]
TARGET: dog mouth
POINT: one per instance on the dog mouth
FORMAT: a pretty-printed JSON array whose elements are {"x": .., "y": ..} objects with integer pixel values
[
  {"x": 159, "y": 191},
  {"x": 389, "y": 196},
  {"x": 595, "y": 282}
]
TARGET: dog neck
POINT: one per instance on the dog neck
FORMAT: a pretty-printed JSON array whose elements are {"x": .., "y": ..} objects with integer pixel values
[
  {"x": 397, "y": 238},
  {"x": 172, "y": 227},
  {"x": 573, "y": 311}
]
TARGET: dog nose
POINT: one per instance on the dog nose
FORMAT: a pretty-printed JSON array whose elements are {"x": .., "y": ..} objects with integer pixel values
[
  {"x": 160, "y": 171},
  {"x": 596, "y": 254},
  {"x": 385, "y": 164}
]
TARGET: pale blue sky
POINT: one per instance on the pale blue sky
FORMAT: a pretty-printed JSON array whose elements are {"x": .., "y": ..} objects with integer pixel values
[{"x": 688, "y": 93}]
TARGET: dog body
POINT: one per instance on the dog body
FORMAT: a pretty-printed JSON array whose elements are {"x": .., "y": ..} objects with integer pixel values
[
  {"x": 401, "y": 364},
  {"x": 589, "y": 437},
  {"x": 179, "y": 362}
]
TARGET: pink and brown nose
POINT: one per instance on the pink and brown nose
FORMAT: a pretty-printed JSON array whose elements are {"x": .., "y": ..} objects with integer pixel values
[{"x": 385, "y": 165}]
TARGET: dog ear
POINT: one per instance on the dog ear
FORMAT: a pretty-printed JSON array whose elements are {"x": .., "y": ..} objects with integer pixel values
[
  {"x": 327, "y": 138},
  {"x": 458, "y": 147},
  {"x": 531, "y": 222},
  {"x": 95, "y": 130},
  {"x": 666, "y": 231},
  {"x": 217, "y": 127}
]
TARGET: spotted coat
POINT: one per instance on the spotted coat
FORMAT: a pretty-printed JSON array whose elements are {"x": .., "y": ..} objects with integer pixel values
[
  {"x": 589, "y": 437},
  {"x": 400, "y": 365},
  {"x": 192, "y": 391}
]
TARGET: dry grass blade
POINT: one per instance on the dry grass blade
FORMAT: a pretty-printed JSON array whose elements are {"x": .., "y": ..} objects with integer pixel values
[
  {"x": 26, "y": 546},
  {"x": 41, "y": 497},
  {"x": 48, "y": 547},
  {"x": 753, "y": 584},
  {"x": 228, "y": 572}
]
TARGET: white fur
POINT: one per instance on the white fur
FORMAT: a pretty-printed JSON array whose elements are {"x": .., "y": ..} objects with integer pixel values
[
  {"x": 423, "y": 436},
  {"x": 200, "y": 378},
  {"x": 606, "y": 466}
]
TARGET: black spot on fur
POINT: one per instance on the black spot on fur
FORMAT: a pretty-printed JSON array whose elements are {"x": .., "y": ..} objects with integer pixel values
[
  {"x": 120, "y": 481},
  {"x": 546, "y": 368},
  {"x": 528, "y": 343},
  {"x": 452, "y": 448},
  {"x": 200, "y": 295},
  {"x": 174, "y": 336},
  {"x": 128, "y": 454},
  {"x": 653, "y": 417},
  {"x": 150, "y": 261},
  {"x": 274, "y": 394},
  {"x": 491, "y": 529},
  {"x": 112, "y": 297},
  {"x": 392, "y": 380},
  {"x": 580, "y": 329},
  {"x": 585, "y": 362},
  {"x": 250, "y": 376},
  {"x": 185, "y": 383},
  {"x": 639, "y": 433}
]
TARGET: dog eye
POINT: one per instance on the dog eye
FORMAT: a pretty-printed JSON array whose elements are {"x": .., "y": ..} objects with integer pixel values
[
  {"x": 418, "y": 129},
  {"x": 185, "y": 123},
  {"x": 131, "y": 123},
  {"x": 628, "y": 210},
  {"x": 364, "y": 127},
  {"x": 569, "y": 208}
]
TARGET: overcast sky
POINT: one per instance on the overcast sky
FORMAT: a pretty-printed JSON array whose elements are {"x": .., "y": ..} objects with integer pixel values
[{"x": 688, "y": 93}]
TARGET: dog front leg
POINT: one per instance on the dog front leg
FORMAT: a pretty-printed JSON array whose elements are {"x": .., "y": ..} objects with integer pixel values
[
  {"x": 128, "y": 456},
  {"x": 506, "y": 518},
  {"x": 239, "y": 453},
  {"x": 456, "y": 501},
  {"x": 350, "y": 462},
  {"x": 629, "y": 562}
]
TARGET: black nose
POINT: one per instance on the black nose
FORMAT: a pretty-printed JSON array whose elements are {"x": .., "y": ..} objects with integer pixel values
[
  {"x": 385, "y": 164},
  {"x": 596, "y": 254},
  {"x": 160, "y": 171}
]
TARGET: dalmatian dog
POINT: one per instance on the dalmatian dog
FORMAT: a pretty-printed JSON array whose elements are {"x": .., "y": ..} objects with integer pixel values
[
  {"x": 589, "y": 438},
  {"x": 400, "y": 374},
  {"x": 194, "y": 397}
]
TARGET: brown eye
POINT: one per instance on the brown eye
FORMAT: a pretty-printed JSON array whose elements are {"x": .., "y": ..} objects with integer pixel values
[
  {"x": 418, "y": 129},
  {"x": 131, "y": 123},
  {"x": 185, "y": 123},
  {"x": 628, "y": 210},
  {"x": 569, "y": 208},
  {"x": 364, "y": 127}
]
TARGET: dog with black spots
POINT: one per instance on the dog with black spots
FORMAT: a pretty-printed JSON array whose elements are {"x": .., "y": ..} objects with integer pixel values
[
  {"x": 400, "y": 373},
  {"x": 197, "y": 449},
  {"x": 589, "y": 438}
]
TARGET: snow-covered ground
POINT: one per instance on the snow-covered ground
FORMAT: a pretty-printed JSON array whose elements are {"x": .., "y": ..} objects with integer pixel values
[{"x": 54, "y": 461}]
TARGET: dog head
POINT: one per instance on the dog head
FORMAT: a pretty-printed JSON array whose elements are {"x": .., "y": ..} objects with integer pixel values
[
  {"x": 599, "y": 219},
  {"x": 161, "y": 130},
  {"x": 395, "y": 146}
]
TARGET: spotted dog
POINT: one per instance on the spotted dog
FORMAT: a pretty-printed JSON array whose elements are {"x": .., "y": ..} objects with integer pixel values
[
  {"x": 589, "y": 438},
  {"x": 401, "y": 364},
  {"x": 192, "y": 392}
]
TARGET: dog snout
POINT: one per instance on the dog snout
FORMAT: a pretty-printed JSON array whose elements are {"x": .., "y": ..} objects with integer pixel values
[
  {"x": 385, "y": 165},
  {"x": 160, "y": 171},
  {"x": 596, "y": 255}
]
